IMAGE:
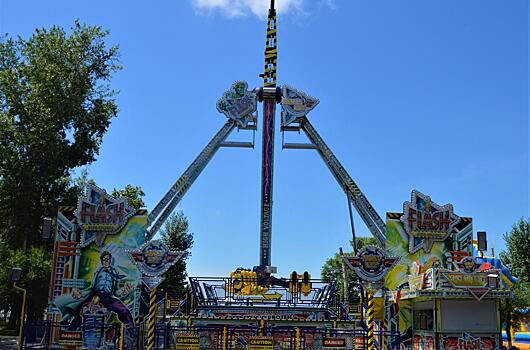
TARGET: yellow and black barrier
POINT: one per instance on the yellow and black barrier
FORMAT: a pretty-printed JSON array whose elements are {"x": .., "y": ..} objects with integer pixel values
[
  {"x": 370, "y": 322},
  {"x": 151, "y": 322}
]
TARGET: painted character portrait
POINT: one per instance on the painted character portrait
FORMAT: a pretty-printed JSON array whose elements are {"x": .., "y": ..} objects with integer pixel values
[{"x": 105, "y": 288}]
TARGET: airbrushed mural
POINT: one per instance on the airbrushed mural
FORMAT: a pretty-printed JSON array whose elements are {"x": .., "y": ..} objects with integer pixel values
[
  {"x": 422, "y": 237},
  {"x": 424, "y": 234},
  {"x": 93, "y": 281},
  {"x": 445, "y": 292}
]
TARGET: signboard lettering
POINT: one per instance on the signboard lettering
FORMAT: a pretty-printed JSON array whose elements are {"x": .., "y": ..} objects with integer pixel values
[
  {"x": 426, "y": 222},
  {"x": 187, "y": 342},
  {"x": 70, "y": 337},
  {"x": 334, "y": 343},
  {"x": 260, "y": 343},
  {"x": 463, "y": 280},
  {"x": 98, "y": 215}
]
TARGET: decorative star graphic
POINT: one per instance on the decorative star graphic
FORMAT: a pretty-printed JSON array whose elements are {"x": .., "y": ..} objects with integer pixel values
[
  {"x": 154, "y": 258},
  {"x": 468, "y": 265},
  {"x": 295, "y": 104},
  {"x": 98, "y": 231},
  {"x": 370, "y": 263},
  {"x": 423, "y": 203}
]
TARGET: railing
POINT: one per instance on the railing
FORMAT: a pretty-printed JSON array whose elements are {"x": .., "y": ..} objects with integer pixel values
[
  {"x": 46, "y": 335},
  {"x": 217, "y": 291}
]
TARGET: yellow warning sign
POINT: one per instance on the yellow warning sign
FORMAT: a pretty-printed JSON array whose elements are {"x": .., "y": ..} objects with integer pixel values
[
  {"x": 187, "y": 342},
  {"x": 260, "y": 343}
]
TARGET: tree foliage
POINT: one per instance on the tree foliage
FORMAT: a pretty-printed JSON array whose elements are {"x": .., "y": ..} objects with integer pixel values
[
  {"x": 55, "y": 107},
  {"x": 177, "y": 237},
  {"x": 517, "y": 259},
  {"x": 134, "y": 195},
  {"x": 517, "y": 254}
]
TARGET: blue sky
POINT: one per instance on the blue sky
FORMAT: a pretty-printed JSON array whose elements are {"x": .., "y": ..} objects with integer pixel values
[{"x": 414, "y": 95}]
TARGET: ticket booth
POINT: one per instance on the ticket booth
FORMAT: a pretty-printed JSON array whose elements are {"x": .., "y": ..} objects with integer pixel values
[
  {"x": 455, "y": 324},
  {"x": 443, "y": 294}
]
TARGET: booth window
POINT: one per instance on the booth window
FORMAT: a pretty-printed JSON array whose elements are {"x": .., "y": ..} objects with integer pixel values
[
  {"x": 471, "y": 315},
  {"x": 424, "y": 320},
  {"x": 424, "y": 316}
]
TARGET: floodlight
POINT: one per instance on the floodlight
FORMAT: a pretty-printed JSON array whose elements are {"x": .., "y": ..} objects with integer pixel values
[
  {"x": 493, "y": 280},
  {"x": 46, "y": 228},
  {"x": 15, "y": 274}
]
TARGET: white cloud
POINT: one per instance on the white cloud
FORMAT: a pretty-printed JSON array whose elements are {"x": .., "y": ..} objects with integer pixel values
[{"x": 240, "y": 8}]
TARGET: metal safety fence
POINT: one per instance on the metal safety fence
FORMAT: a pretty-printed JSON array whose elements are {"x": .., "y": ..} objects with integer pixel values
[{"x": 101, "y": 336}]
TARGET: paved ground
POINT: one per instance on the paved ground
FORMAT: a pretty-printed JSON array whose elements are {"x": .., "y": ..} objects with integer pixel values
[{"x": 8, "y": 343}]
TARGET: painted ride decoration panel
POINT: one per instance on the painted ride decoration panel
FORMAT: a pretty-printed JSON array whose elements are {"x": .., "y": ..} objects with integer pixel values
[
  {"x": 467, "y": 341},
  {"x": 423, "y": 342},
  {"x": 370, "y": 263},
  {"x": 238, "y": 103},
  {"x": 424, "y": 233},
  {"x": 436, "y": 260},
  {"x": 93, "y": 281},
  {"x": 422, "y": 237}
]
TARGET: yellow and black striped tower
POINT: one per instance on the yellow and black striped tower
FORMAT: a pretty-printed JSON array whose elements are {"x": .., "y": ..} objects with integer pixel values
[
  {"x": 151, "y": 322},
  {"x": 370, "y": 321},
  {"x": 271, "y": 50},
  {"x": 384, "y": 331}
]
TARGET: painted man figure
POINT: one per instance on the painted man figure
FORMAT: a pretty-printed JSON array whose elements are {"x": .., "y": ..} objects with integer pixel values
[{"x": 104, "y": 286}]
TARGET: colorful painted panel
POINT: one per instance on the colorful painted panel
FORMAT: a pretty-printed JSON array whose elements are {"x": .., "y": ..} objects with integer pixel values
[
  {"x": 423, "y": 342},
  {"x": 468, "y": 341},
  {"x": 431, "y": 247},
  {"x": 109, "y": 274},
  {"x": 421, "y": 237},
  {"x": 397, "y": 244},
  {"x": 95, "y": 282}
]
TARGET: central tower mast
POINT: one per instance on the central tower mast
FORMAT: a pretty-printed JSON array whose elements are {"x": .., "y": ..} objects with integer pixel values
[{"x": 270, "y": 95}]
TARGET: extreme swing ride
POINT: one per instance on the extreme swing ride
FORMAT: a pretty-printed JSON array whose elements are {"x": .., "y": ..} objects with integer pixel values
[{"x": 424, "y": 282}]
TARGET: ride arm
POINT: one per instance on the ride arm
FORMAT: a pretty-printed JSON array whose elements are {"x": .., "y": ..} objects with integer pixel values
[
  {"x": 181, "y": 186},
  {"x": 367, "y": 213}
]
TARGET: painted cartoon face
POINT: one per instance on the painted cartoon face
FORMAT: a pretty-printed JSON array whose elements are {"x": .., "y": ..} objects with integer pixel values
[
  {"x": 240, "y": 90},
  {"x": 105, "y": 261}
]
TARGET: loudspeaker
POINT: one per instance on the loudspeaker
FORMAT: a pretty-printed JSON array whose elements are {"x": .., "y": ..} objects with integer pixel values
[
  {"x": 46, "y": 228},
  {"x": 482, "y": 241}
]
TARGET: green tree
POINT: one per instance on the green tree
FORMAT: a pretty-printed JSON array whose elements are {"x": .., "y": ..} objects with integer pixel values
[
  {"x": 81, "y": 182},
  {"x": 36, "y": 263},
  {"x": 134, "y": 195},
  {"x": 177, "y": 237},
  {"x": 332, "y": 268},
  {"x": 517, "y": 259},
  {"x": 55, "y": 107},
  {"x": 517, "y": 254}
]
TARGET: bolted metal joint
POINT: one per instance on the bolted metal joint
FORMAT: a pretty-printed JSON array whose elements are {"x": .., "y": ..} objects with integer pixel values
[{"x": 271, "y": 93}]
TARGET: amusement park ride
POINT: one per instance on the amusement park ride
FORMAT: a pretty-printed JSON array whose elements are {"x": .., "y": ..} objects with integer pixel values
[{"x": 423, "y": 286}]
